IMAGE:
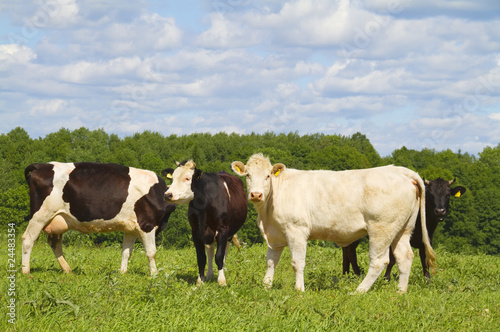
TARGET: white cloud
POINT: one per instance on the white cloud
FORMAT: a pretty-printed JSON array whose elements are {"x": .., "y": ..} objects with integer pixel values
[
  {"x": 494, "y": 116},
  {"x": 224, "y": 33},
  {"x": 52, "y": 107},
  {"x": 94, "y": 72},
  {"x": 14, "y": 53},
  {"x": 62, "y": 13}
]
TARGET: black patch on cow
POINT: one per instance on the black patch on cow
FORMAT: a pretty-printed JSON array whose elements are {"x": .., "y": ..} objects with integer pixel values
[
  {"x": 96, "y": 191},
  {"x": 40, "y": 179},
  {"x": 152, "y": 210}
]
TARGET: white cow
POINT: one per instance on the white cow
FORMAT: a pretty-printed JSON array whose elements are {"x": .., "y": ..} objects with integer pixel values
[{"x": 295, "y": 206}]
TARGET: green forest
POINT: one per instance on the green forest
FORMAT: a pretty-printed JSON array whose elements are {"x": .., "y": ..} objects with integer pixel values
[{"x": 473, "y": 224}]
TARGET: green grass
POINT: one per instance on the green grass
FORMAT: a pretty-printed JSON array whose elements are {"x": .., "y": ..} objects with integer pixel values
[{"x": 464, "y": 295}]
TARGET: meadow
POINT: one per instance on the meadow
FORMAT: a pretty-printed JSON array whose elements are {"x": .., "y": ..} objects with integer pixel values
[{"x": 464, "y": 294}]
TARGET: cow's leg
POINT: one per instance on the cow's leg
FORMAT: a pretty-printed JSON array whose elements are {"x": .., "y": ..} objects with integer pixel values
[
  {"x": 148, "y": 240},
  {"x": 210, "y": 260},
  {"x": 55, "y": 242},
  {"x": 379, "y": 258},
  {"x": 388, "y": 270},
  {"x": 272, "y": 257},
  {"x": 201, "y": 257},
  {"x": 298, "y": 248},
  {"x": 404, "y": 257},
  {"x": 349, "y": 258},
  {"x": 227, "y": 250},
  {"x": 220, "y": 257},
  {"x": 29, "y": 237},
  {"x": 127, "y": 247}
]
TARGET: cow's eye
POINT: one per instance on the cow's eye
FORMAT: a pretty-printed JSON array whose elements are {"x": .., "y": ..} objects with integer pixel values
[
  {"x": 267, "y": 177},
  {"x": 248, "y": 176},
  {"x": 188, "y": 179}
]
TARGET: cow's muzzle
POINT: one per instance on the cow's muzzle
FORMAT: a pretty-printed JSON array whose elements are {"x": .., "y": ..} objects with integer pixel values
[
  {"x": 440, "y": 214},
  {"x": 256, "y": 196},
  {"x": 168, "y": 196}
]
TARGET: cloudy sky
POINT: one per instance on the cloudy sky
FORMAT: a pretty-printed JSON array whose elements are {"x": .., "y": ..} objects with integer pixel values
[{"x": 419, "y": 73}]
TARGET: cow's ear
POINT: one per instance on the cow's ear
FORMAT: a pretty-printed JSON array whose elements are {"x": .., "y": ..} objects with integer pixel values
[
  {"x": 239, "y": 168},
  {"x": 277, "y": 169},
  {"x": 458, "y": 191},
  {"x": 197, "y": 174},
  {"x": 167, "y": 172}
]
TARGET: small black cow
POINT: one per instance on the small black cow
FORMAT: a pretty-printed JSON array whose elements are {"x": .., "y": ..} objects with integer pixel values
[
  {"x": 437, "y": 205},
  {"x": 91, "y": 198},
  {"x": 217, "y": 210}
]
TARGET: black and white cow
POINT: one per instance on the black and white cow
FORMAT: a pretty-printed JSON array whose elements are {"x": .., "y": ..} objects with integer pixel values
[
  {"x": 93, "y": 198},
  {"x": 217, "y": 210},
  {"x": 437, "y": 197}
]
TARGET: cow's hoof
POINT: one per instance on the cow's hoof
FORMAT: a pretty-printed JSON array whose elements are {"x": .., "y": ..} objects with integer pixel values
[{"x": 360, "y": 290}]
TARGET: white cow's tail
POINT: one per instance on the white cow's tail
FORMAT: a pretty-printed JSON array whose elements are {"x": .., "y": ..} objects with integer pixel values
[
  {"x": 236, "y": 242},
  {"x": 430, "y": 255}
]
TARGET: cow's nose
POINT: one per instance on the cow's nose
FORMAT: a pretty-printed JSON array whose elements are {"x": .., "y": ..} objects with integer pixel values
[
  {"x": 168, "y": 196},
  {"x": 440, "y": 212},
  {"x": 255, "y": 196}
]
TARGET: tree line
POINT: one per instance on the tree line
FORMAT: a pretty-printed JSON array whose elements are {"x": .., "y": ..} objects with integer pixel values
[{"x": 473, "y": 224}]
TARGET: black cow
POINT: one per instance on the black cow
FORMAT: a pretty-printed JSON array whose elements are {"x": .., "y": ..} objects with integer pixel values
[
  {"x": 437, "y": 205},
  {"x": 94, "y": 197},
  {"x": 217, "y": 210}
]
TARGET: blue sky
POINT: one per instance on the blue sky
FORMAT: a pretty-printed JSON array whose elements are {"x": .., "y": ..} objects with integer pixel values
[{"x": 423, "y": 74}]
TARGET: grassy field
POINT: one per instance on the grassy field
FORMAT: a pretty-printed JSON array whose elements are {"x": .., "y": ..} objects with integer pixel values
[{"x": 464, "y": 295}]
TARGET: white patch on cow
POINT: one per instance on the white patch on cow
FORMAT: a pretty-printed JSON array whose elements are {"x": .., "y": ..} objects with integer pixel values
[
  {"x": 227, "y": 189},
  {"x": 221, "y": 278}
]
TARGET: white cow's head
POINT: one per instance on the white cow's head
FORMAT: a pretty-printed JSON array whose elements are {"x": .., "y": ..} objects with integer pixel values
[
  {"x": 180, "y": 192},
  {"x": 258, "y": 172}
]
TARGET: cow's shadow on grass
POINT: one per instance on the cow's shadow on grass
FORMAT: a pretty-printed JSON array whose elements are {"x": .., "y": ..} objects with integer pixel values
[
  {"x": 329, "y": 281},
  {"x": 47, "y": 269},
  {"x": 189, "y": 277}
]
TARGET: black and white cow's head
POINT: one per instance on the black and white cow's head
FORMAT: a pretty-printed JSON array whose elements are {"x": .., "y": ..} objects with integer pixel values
[
  {"x": 438, "y": 193},
  {"x": 180, "y": 191}
]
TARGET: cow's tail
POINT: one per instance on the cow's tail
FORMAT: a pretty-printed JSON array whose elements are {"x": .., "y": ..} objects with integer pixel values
[
  {"x": 236, "y": 242},
  {"x": 430, "y": 255}
]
